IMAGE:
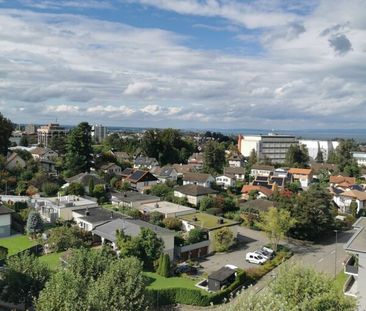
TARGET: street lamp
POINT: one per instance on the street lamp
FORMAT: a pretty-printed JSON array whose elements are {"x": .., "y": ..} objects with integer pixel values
[{"x": 335, "y": 254}]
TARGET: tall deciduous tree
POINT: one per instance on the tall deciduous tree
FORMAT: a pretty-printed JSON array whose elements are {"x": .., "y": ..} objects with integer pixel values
[
  {"x": 223, "y": 238},
  {"x": 121, "y": 287},
  {"x": 79, "y": 149},
  {"x": 214, "y": 157},
  {"x": 23, "y": 279},
  {"x": 6, "y": 128},
  {"x": 297, "y": 156},
  {"x": 276, "y": 223}
]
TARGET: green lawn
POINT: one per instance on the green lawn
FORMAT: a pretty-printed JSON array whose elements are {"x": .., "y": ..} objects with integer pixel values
[
  {"x": 52, "y": 260},
  {"x": 158, "y": 281},
  {"x": 340, "y": 280},
  {"x": 16, "y": 244},
  {"x": 207, "y": 221}
]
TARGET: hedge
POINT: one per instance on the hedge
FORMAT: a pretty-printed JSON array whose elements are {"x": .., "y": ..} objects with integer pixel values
[{"x": 169, "y": 296}]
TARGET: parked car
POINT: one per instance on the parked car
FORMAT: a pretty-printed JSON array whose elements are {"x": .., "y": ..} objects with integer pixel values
[
  {"x": 185, "y": 268},
  {"x": 232, "y": 267},
  {"x": 265, "y": 252},
  {"x": 255, "y": 258}
]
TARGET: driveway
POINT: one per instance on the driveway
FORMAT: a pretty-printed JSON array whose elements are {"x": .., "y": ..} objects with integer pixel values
[
  {"x": 249, "y": 241},
  {"x": 324, "y": 256}
]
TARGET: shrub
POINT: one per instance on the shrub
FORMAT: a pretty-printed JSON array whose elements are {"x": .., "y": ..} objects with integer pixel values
[
  {"x": 196, "y": 235},
  {"x": 223, "y": 239},
  {"x": 50, "y": 189},
  {"x": 34, "y": 223},
  {"x": 172, "y": 223},
  {"x": 3, "y": 252}
]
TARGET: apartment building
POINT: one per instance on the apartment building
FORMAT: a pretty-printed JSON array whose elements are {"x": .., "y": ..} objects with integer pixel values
[
  {"x": 98, "y": 132},
  {"x": 46, "y": 132}
]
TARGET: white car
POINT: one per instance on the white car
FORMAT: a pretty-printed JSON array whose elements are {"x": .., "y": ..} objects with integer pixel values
[
  {"x": 255, "y": 258},
  {"x": 232, "y": 267}
]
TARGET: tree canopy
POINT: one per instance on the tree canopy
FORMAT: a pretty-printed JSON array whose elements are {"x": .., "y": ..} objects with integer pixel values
[
  {"x": 214, "y": 157},
  {"x": 6, "y": 128},
  {"x": 297, "y": 156}
]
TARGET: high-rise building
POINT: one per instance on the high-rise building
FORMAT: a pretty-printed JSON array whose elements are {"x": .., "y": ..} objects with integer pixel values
[
  {"x": 270, "y": 147},
  {"x": 99, "y": 132},
  {"x": 30, "y": 129},
  {"x": 47, "y": 132}
]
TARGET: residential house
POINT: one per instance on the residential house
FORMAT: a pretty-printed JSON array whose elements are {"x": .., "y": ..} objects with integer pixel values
[
  {"x": 225, "y": 180},
  {"x": 196, "y": 159},
  {"x": 5, "y": 221},
  {"x": 121, "y": 156},
  {"x": 14, "y": 161},
  {"x": 132, "y": 199},
  {"x": 132, "y": 227},
  {"x": 40, "y": 153},
  {"x": 259, "y": 205},
  {"x": 89, "y": 218},
  {"x": 236, "y": 160},
  {"x": 263, "y": 192},
  {"x": 164, "y": 174},
  {"x": 209, "y": 223},
  {"x": 302, "y": 175},
  {"x": 111, "y": 168},
  {"x": 360, "y": 158},
  {"x": 200, "y": 179},
  {"x": 183, "y": 169},
  {"x": 238, "y": 172},
  {"x": 62, "y": 207},
  {"x": 141, "y": 180},
  {"x": 168, "y": 209},
  {"x": 342, "y": 180},
  {"x": 355, "y": 266},
  {"x": 194, "y": 193},
  {"x": 84, "y": 179},
  {"x": 145, "y": 162},
  {"x": 343, "y": 199},
  {"x": 48, "y": 166},
  {"x": 261, "y": 170},
  {"x": 321, "y": 168}
]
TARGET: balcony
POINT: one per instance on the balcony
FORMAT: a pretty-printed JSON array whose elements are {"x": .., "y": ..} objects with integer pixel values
[
  {"x": 351, "y": 266},
  {"x": 350, "y": 287}
]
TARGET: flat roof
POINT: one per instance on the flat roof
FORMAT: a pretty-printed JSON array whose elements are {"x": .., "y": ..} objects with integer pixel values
[
  {"x": 207, "y": 221},
  {"x": 165, "y": 207},
  {"x": 357, "y": 243},
  {"x": 97, "y": 214},
  {"x": 222, "y": 274},
  {"x": 132, "y": 196}
]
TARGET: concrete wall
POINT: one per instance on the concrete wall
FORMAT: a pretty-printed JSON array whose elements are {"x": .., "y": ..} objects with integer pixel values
[{"x": 361, "y": 280}]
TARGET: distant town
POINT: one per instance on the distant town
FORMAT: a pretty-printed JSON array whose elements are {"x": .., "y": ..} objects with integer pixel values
[{"x": 199, "y": 218}]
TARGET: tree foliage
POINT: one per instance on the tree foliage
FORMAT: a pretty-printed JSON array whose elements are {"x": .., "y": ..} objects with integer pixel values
[
  {"x": 172, "y": 223},
  {"x": 206, "y": 203},
  {"x": 167, "y": 146},
  {"x": 295, "y": 288},
  {"x": 34, "y": 223},
  {"x": 50, "y": 189},
  {"x": 214, "y": 157},
  {"x": 6, "y": 128},
  {"x": 64, "y": 237},
  {"x": 75, "y": 189},
  {"x": 297, "y": 156},
  {"x": 276, "y": 223},
  {"x": 23, "y": 279},
  {"x": 342, "y": 156},
  {"x": 79, "y": 149},
  {"x": 223, "y": 239}
]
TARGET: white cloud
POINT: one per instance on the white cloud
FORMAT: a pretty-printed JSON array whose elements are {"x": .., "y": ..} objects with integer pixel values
[
  {"x": 138, "y": 88},
  {"x": 62, "y": 109},
  {"x": 151, "y": 109},
  {"x": 110, "y": 110}
]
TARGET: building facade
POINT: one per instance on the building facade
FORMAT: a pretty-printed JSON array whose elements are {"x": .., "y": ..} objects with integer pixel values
[
  {"x": 324, "y": 146},
  {"x": 47, "y": 132},
  {"x": 99, "y": 132},
  {"x": 271, "y": 147},
  {"x": 360, "y": 158}
]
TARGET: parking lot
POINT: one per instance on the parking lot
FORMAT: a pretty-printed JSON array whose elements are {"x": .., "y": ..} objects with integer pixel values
[{"x": 249, "y": 241}]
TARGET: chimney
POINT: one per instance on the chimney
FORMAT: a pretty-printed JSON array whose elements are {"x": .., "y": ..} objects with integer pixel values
[
  {"x": 111, "y": 215},
  {"x": 87, "y": 212},
  {"x": 220, "y": 221}
]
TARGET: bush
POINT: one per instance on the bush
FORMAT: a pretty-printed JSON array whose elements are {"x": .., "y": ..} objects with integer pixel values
[
  {"x": 156, "y": 218},
  {"x": 196, "y": 235},
  {"x": 214, "y": 211},
  {"x": 172, "y": 223},
  {"x": 223, "y": 239},
  {"x": 50, "y": 189},
  {"x": 34, "y": 223},
  {"x": 75, "y": 189},
  {"x": 3, "y": 252}
]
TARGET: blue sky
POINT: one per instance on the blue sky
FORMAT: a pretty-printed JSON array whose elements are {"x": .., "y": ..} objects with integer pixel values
[{"x": 184, "y": 63}]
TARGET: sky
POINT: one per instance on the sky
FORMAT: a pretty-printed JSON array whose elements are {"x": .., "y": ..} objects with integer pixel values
[{"x": 270, "y": 64}]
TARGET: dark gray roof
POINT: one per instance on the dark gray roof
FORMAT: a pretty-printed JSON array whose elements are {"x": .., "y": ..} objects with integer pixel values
[
  {"x": 263, "y": 167},
  {"x": 98, "y": 215},
  {"x": 132, "y": 196},
  {"x": 195, "y": 190},
  {"x": 145, "y": 161},
  {"x": 234, "y": 170},
  {"x": 196, "y": 177},
  {"x": 222, "y": 274},
  {"x": 84, "y": 179},
  {"x": 357, "y": 243},
  {"x": 131, "y": 227},
  {"x": 127, "y": 171},
  {"x": 139, "y": 174},
  {"x": 4, "y": 210},
  {"x": 259, "y": 204}
]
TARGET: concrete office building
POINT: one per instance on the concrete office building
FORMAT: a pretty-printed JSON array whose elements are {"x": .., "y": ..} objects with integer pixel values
[
  {"x": 99, "y": 132},
  {"x": 272, "y": 146},
  {"x": 314, "y": 146},
  {"x": 360, "y": 158},
  {"x": 47, "y": 132},
  {"x": 30, "y": 129}
]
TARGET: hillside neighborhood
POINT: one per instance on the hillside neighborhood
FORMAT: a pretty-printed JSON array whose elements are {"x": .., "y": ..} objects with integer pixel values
[{"x": 171, "y": 204}]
